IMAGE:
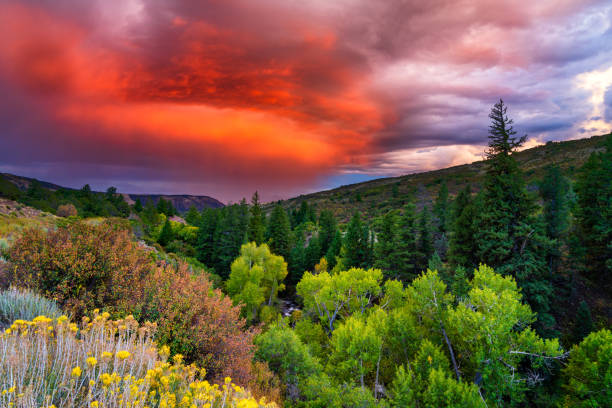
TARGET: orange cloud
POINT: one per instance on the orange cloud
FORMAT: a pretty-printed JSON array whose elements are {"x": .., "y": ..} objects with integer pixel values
[{"x": 213, "y": 92}]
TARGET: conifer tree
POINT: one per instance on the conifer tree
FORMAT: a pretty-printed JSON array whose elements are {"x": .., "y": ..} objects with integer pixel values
[
  {"x": 209, "y": 220},
  {"x": 138, "y": 206},
  {"x": 594, "y": 214},
  {"x": 230, "y": 234},
  {"x": 327, "y": 230},
  {"x": 385, "y": 250},
  {"x": 554, "y": 190},
  {"x": 462, "y": 248},
  {"x": 334, "y": 249},
  {"x": 279, "y": 229},
  {"x": 193, "y": 216},
  {"x": 407, "y": 253},
  {"x": 508, "y": 235},
  {"x": 584, "y": 322},
  {"x": 355, "y": 249},
  {"x": 425, "y": 242},
  {"x": 442, "y": 209},
  {"x": 255, "y": 232},
  {"x": 297, "y": 257},
  {"x": 166, "y": 235},
  {"x": 312, "y": 254}
]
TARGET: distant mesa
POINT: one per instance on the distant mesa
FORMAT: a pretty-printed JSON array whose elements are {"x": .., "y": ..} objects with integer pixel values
[{"x": 181, "y": 202}]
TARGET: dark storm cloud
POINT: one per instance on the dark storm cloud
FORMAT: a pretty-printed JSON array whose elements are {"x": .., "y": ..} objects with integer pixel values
[{"x": 225, "y": 97}]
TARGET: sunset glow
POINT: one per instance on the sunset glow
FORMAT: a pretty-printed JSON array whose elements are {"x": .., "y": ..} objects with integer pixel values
[{"x": 226, "y": 97}]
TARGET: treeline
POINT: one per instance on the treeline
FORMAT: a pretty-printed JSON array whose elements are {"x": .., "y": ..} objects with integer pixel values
[
  {"x": 550, "y": 239},
  {"x": 68, "y": 202}
]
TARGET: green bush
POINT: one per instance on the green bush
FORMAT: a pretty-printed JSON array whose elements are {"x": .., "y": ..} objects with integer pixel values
[{"x": 25, "y": 305}]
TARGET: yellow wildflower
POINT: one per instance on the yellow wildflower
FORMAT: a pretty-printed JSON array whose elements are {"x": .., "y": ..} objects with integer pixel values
[
  {"x": 123, "y": 354},
  {"x": 91, "y": 361},
  {"x": 76, "y": 371}
]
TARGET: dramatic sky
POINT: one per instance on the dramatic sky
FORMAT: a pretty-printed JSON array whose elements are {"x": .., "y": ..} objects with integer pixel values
[{"x": 223, "y": 97}]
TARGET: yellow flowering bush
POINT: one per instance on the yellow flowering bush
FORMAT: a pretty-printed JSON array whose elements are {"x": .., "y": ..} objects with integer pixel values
[{"x": 102, "y": 364}]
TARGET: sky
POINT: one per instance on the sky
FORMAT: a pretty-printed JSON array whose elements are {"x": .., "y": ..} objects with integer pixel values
[{"x": 225, "y": 97}]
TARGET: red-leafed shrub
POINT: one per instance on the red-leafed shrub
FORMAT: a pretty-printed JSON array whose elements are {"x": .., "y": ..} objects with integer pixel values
[
  {"x": 67, "y": 210},
  {"x": 199, "y": 322},
  {"x": 82, "y": 266}
]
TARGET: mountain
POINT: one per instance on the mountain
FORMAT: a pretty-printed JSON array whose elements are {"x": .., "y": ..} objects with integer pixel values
[
  {"x": 376, "y": 197},
  {"x": 182, "y": 202}
]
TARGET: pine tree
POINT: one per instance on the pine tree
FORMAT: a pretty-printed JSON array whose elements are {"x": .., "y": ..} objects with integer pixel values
[
  {"x": 554, "y": 190},
  {"x": 207, "y": 235},
  {"x": 406, "y": 247},
  {"x": 509, "y": 237},
  {"x": 385, "y": 250},
  {"x": 584, "y": 323},
  {"x": 297, "y": 257},
  {"x": 193, "y": 216},
  {"x": 230, "y": 234},
  {"x": 278, "y": 232},
  {"x": 255, "y": 232},
  {"x": 334, "y": 250},
  {"x": 327, "y": 230},
  {"x": 594, "y": 214},
  {"x": 462, "y": 249},
  {"x": 312, "y": 255},
  {"x": 442, "y": 209},
  {"x": 459, "y": 283},
  {"x": 138, "y": 206},
  {"x": 161, "y": 206},
  {"x": 166, "y": 235},
  {"x": 355, "y": 249},
  {"x": 425, "y": 242}
]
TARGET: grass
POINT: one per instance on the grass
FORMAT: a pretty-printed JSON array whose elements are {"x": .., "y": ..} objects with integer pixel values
[
  {"x": 53, "y": 363},
  {"x": 25, "y": 305},
  {"x": 12, "y": 225}
]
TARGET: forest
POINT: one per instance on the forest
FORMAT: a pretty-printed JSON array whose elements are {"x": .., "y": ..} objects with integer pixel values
[{"x": 498, "y": 295}]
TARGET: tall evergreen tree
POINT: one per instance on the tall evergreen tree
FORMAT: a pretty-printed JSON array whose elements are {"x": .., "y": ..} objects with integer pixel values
[
  {"x": 229, "y": 236},
  {"x": 334, "y": 249},
  {"x": 594, "y": 214},
  {"x": 406, "y": 247},
  {"x": 554, "y": 190},
  {"x": 297, "y": 257},
  {"x": 385, "y": 250},
  {"x": 206, "y": 236},
  {"x": 312, "y": 254},
  {"x": 442, "y": 209},
  {"x": 327, "y": 230},
  {"x": 425, "y": 242},
  {"x": 462, "y": 246},
  {"x": 193, "y": 216},
  {"x": 256, "y": 230},
  {"x": 584, "y": 323},
  {"x": 356, "y": 246},
  {"x": 279, "y": 229},
  {"x": 138, "y": 206},
  {"x": 166, "y": 235},
  {"x": 509, "y": 237}
]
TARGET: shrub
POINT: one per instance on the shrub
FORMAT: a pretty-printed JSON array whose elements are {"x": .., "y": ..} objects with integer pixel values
[
  {"x": 199, "y": 322},
  {"x": 50, "y": 362},
  {"x": 67, "y": 210},
  {"x": 82, "y": 266},
  {"x": 23, "y": 304}
]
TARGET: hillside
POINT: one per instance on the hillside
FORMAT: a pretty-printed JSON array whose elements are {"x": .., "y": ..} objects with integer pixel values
[
  {"x": 181, "y": 202},
  {"x": 376, "y": 197}
]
